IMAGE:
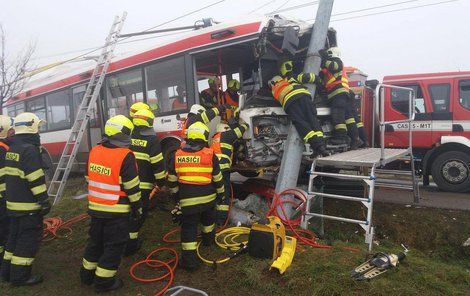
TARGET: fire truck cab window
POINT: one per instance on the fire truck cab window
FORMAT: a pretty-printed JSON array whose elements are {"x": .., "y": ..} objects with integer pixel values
[
  {"x": 166, "y": 86},
  {"x": 440, "y": 94},
  {"x": 123, "y": 90},
  {"x": 38, "y": 107},
  {"x": 58, "y": 110},
  {"x": 464, "y": 93},
  {"x": 400, "y": 99},
  {"x": 15, "y": 109}
]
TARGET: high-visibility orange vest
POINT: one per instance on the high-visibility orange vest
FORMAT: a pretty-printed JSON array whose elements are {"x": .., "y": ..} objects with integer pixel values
[
  {"x": 227, "y": 99},
  {"x": 216, "y": 144},
  {"x": 194, "y": 167},
  {"x": 331, "y": 81},
  {"x": 104, "y": 167},
  {"x": 5, "y": 146},
  {"x": 177, "y": 105},
  {"x": 185, "y": 127}
]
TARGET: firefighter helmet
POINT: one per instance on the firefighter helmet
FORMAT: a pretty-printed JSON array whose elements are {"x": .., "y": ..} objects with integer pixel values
[
  {"x": 27, "y": 123},
  {"x": 197, "y": 109},
  {"x": 118, "y": 124},
  {"x": 214, "y": 81},
  {"x": 274, "y": 80},
  {"x": 143, "y": 117},
  {"x": 6, "y": 123},
  {"x": 222, "y": 127},
  {"x": 333, "y": 52},
  {"x": 286, "y": 68},
  {"x": 234, "y": 84},
  {"x": 197, "y": 131},
  {"x": 137, "y": 106}
]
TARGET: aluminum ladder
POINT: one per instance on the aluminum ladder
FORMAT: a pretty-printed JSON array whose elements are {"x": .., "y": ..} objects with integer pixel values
[{"x": 59, "y": 180}]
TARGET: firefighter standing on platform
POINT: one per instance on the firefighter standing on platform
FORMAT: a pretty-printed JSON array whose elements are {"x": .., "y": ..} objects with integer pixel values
[
  {"x": 223, "y": 145},
  {"x": 336, "y": 84},
  {"x": 210, "y": 96},
  {"x": 26, "y": 200},
  {"x": 5, "y": 133},
  {"x": 113, "y": 196},
  {"x": 354, "y": 124},
  {"x": 195, "y": 180},
  {"x": 148, "y": 152},
  {"x": 297, "y": 102}
]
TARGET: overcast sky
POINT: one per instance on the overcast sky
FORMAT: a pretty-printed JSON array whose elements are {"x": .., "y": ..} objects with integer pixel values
[{"x": 427, "y": 39}]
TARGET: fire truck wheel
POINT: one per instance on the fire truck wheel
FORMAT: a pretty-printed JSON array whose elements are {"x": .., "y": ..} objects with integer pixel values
[{"x": 451, "y": 171}]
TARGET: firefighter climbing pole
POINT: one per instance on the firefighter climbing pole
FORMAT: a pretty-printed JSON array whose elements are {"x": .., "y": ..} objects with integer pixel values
[{"x": 82, "y": 118}]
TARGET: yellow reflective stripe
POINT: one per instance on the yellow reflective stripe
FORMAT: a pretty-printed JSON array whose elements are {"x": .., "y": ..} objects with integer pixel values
[
  {"x": 133, "y": 235},
  {"x": 340, "y": 126},
  {"x": 23, "y": 206},
  {"x": 142, "y": 156},
  {"x": 2, "y": 172},
  {"x": 360, "y": 124},
  {"x": 216, "y": 111},
  {"x": 132, "y": 183},
  {"x": 194, "y": 169},
  {"x": 217, "y": 177},
  {"x": 174, "y": 190},
  {"x": 228, "y": 146},
  {"x": 350, "y": 120},
  {"x": 222, "y": 207},
  {"x": 35, "y": 175},
  {"x": 24, "y": 261},
  {"x": 89, "y": 265},
  {"x": 238, "y": 133},
  {"x": 117, "y": 208},
  {"x": 312, "y": 134},
  {"x": 336, "y": 92},
  {"x": 39, "y": 189},
  {"x": 224, "y": 166},
  {"x": 204, "y": 117},
  {"x": 191, "y": 201},
  {"x": 146, "y": 185},
  {"x": 134, "y": 197},
  {"x": 159, "y": 175},
  {"x": 11, "y": 171},
  {"x": 220, "y": 190},
  {"x": 172, "y": 178},
  {"x": 225, "y": 156},
  {"x": 295, "y": 92},
  {"x": 189, "y": 246},
  {"x": 7, "y": 255},
  {"x": 199, "y": 179},
  {"x": 3, "y": 187},
  {"x": 106, "y": 273},
  {"x": 156, "y": 158},
  {"x": 2, "y": 249},
  {"x": 207, "y": 229}
]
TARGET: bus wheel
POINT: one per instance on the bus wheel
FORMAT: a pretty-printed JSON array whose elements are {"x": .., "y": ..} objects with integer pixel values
[{"x": 451, "y": 171}]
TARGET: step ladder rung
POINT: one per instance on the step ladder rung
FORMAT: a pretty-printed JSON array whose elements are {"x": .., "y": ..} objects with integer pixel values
[{"x": 337, "y": 196}]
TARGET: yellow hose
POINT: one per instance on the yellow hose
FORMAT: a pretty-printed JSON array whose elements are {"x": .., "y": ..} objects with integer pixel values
[{"x": 228, "y": 239}]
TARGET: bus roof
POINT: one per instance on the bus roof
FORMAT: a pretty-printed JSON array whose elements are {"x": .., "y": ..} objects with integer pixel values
[
  {"x": 72, "y": 73},
  {"x": 425, "y": 76}
]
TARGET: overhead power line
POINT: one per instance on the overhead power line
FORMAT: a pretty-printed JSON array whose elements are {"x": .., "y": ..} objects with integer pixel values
[
  {"x": 281, "y": 6},
  {"x": 295, "y": 7},
  {"x": 262, "y": 6}
]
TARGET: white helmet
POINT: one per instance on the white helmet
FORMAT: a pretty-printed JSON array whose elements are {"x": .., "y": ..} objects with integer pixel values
[
  {"x": 334, "y": 52},
  {"x": 6, "y": 123},
  {"x": 222, "y": 127},
  {"x": 27, "y": 123},
  {"x": 197, "y": 109}
]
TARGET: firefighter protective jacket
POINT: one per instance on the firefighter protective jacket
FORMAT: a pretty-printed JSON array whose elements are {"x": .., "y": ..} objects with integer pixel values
[
  {"x": 222, "y": 144},
  {"x": 148, "y": 152},
  {"x": 24, "y": 176},
  {"x": 334, "y": 77},
  {"x": 204, "y": 117},
  {"x": 209, "y": 98},
  {"x": 113, "y": 181},
  {"x": 231, "y": 99},
  {"x": 194, "y": 177},
  {"x": 3, "y": 150},
  {"x": 289, "y": 89}
]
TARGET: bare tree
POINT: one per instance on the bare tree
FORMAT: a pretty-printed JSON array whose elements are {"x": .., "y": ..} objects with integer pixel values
[{"x": 13, "y": 70}]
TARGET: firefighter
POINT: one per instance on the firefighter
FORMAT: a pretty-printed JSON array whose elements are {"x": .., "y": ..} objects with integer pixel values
[
  {"x": 148, "y": 152},
  {"x": 223, "y": 145},
  {"x": 336, "y": 84},
  {"x": 297, "y": 102},
  {"x": 113, "y": 198},
  {"x": 195, "y": 181},
  {"x": 5, "y": 133},
  {"x": 230, "y": 95},
  {"x": 210, "y": 96},
  {"x": 179, "y": 101},
  {"x": 26, "y": 201},
  {"x": 198, "y": 113},
  {"x": 136, "y": 107},
  {"x": 353, "y": 121}
]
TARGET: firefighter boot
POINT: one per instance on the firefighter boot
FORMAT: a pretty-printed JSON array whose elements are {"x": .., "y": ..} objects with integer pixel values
[
  {"x": 33, "y": 280},
  {"x": 339, "y": 140},
  {"x": 118, "y": 283},
  {"x": 356, "y": 144},
  {"x": 318, "y": 147},
  {"x": 189, "y": 261}
]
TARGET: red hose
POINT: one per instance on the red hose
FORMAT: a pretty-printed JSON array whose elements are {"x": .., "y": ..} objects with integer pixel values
[{"x": 54, "y": 225}]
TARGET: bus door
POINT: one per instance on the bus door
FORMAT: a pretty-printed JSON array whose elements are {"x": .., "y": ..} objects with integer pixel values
[
  {"x": 461, "y": 107},
  {"x": 397, "y": 108}
]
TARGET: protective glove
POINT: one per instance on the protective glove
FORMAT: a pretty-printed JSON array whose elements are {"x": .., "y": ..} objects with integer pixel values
[
  {"x": 176, "y": 214},
  {"x": 136, "y": 214},
  {"x": 236, "y": 113},
  {"x": 45, "y": 208}
]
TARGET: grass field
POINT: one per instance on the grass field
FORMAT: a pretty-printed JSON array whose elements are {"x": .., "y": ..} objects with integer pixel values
[{"x": 437, "y": 263}]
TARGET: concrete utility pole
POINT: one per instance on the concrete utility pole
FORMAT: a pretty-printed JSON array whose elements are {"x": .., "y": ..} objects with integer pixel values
[{"x": 292, "y": 156}]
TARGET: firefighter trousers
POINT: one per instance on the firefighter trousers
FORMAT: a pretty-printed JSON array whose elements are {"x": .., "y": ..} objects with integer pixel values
[
  {"x": 106, "y": 244},
  {"x": 25, "y": 233},
  {"x": 134, "y": 226},
  {"x": 338, "y": 115},
  {"x": 351, "y": 117},
  {"x": 223, "y": 206},
  {"x": 303, "y": 114},
  {"x": 189, "y": 227},
  {"x": 4, "y": 225}
]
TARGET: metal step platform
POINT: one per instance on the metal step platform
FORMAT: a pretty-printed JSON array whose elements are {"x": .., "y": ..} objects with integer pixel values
[{"x": 367, "y": 157}]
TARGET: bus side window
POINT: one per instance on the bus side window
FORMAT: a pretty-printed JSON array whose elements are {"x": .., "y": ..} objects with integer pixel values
[
  {"x": 123, "y": 90},
  {"x": 440, "y": 94},
  {"x": 464, "y": 93},
  {"x": 165, "y": 84}
]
